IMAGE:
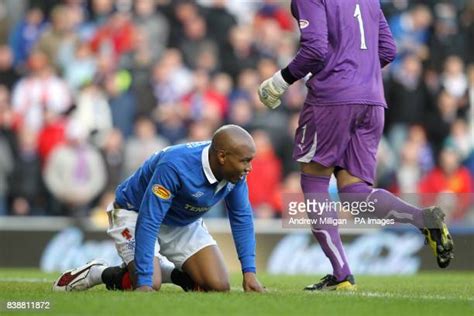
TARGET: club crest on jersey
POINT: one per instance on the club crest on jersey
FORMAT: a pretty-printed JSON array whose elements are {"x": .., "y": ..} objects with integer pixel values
[
  {"x": 303, "y": 24},
  {"x": 161, "y": 192}
]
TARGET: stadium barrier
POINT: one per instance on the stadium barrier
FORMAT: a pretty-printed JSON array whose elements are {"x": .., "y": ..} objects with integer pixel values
[{"x": 56, "y": 244}]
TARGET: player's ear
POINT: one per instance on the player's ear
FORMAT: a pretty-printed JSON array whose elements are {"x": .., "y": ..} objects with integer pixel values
[{"x": 221, "y": 156}]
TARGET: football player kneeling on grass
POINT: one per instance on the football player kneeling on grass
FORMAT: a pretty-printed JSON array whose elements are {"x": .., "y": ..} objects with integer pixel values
[{"x": 158, "y": 210}]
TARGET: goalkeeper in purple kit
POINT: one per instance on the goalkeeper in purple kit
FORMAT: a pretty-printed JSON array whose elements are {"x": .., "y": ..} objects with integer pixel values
[{"x": 344, "y": 44}]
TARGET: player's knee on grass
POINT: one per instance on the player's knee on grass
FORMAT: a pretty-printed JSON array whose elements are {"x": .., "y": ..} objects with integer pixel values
[
  {"x": 217, "y": 285},
  {"x": 156, "y": 285}
]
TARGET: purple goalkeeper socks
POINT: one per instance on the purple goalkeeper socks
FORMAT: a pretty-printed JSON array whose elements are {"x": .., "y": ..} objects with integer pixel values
[
  {"x": 316, "y": 187},
  {"x": 387, "y": 205}
]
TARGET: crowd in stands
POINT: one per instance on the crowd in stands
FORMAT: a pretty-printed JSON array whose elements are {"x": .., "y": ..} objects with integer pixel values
[{"x": 90, "y": 89}]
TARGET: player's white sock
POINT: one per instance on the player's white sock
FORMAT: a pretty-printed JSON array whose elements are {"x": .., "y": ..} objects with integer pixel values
[
  {"x": 95, "y": 274},
  {"x": 166, "y": 268}
]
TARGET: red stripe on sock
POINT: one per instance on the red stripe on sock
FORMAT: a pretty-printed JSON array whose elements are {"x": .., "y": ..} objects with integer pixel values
[{"x": 126, "y": 282}]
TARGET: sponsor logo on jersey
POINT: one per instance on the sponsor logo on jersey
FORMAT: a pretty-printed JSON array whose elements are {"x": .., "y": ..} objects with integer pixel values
[
  {"x": 193, "y": 208},
  {"x": 303, "y": 24},
  {"x": 161, "y": 192}
]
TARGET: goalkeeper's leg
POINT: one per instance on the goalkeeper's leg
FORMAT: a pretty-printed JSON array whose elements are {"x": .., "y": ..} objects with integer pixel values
[{"x": 430, "y": 221}]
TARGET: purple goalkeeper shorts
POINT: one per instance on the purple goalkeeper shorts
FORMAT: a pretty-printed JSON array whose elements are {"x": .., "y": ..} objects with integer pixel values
[{"x": 344, "y": 136}]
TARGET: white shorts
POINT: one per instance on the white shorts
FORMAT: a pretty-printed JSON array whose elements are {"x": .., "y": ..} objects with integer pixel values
[{"x": 176, "y": 243}]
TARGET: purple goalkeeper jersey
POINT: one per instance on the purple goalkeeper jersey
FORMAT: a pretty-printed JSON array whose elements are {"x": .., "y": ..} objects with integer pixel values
[{"x": 344, "y": 44}]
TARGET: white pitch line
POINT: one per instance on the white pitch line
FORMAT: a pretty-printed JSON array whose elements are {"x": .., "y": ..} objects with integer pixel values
[{"x": 404, "y": 296}]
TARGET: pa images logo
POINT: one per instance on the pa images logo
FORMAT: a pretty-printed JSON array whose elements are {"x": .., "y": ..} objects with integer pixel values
[{"x": 161, "y": 192}]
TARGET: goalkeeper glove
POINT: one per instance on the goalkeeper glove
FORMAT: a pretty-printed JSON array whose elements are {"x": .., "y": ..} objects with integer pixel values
[{"x": 271, "y": 90}]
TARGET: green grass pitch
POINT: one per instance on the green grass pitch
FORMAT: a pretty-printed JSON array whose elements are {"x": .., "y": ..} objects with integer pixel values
[{"x": 439, "y": 293}]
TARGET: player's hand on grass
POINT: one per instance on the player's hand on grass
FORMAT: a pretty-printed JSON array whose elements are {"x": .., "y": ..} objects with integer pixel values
[
  {"x": 144, "y": 288},
  {"x": 271, "y": 90},
  {"x": 251, "y": 284}
]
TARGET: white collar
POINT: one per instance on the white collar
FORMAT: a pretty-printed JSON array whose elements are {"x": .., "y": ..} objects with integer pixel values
[{"x": 206, "y": 166}]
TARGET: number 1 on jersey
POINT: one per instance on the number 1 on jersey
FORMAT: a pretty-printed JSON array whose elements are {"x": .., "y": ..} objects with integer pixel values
[{"x": 358, "y": 15}]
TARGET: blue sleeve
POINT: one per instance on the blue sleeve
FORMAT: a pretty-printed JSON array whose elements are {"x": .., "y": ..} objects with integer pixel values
[
  {"x": 312, "y": 21},
  {"x": 241, "y": 223},
  {"x": 387, "y": 46},
  {"x": 155, "y": 204}
]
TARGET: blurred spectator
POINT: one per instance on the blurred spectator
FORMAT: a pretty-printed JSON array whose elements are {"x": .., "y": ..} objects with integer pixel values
[
  {"x": 59, "y": 35},
  {"x": 407, "y": 99},
  {"x": 273, "y": 11},
  {"x": 101, "y": 11},
  {"x": 79, "y": 20},
  {"x": 115, "y": 37},
  {"x": 81, "y": 68},
  {"x": 196, "y": 41},
  {"x": 7, "y": 120},
  {"x": 468, "y": 30},
  {"x": 6, "y": 167},
  {"x": 425, "y": 157},
  {"x": 25, "y": 35},
  {"x": 171, "y": 122},
  {"x": 75, "y": 172},
  {"x": 153, "y": 25},
  {"x": 8, "y": 74},
  {"x": 51, "y": 135},
  {"x": 139, "y": 63},
  {"x": 241, "y": 112},
  {"x": 245, "y": 85},
  {"x": 26, "y": 186},
  {"x": 171, "y": 79},
  {"x": 142, "y": 145},
  {"x": 5, "y": 21},
  {"x": 285, "y": 143},
  {"x": 42, "y": 90},
  {"x": 203, "y": 100},
  {"x": 446, "y": 39},
  {"x": 265, "y": 178},
  {"x": 408, "y": 173},
  {"x": 122, "y": 101},
  {"x": 198, "y": 131},
  {"x": 219, "y": 22},
  {"x": 113, "y": 154},
  {"x": 93, "y": 113},
  {"x": 268, "y": 37},
  {"x": 461, "y": 139},
  {"x": 453, "y": 77},
  {"x": 410, "y": 30},
  {"x": 291, "y": 188},
  {"x": 240, "y": 54},
  {"x": 182, "y": 11},
  {"x": 386, "y": 165},
  {"x": 439, "y": 122},
  {"x": 222, "y": 84},
  {"x": 449, "y": 177}
]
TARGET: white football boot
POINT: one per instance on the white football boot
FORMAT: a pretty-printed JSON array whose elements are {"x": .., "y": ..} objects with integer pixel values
[{"x": 80, "y": 279}]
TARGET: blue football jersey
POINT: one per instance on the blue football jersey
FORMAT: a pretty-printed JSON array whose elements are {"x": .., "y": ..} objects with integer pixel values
[{"x": 176, "y": 187}]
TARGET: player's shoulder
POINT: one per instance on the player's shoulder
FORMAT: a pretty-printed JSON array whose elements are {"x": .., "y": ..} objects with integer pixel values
[{"x": 183, "y": 156}]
